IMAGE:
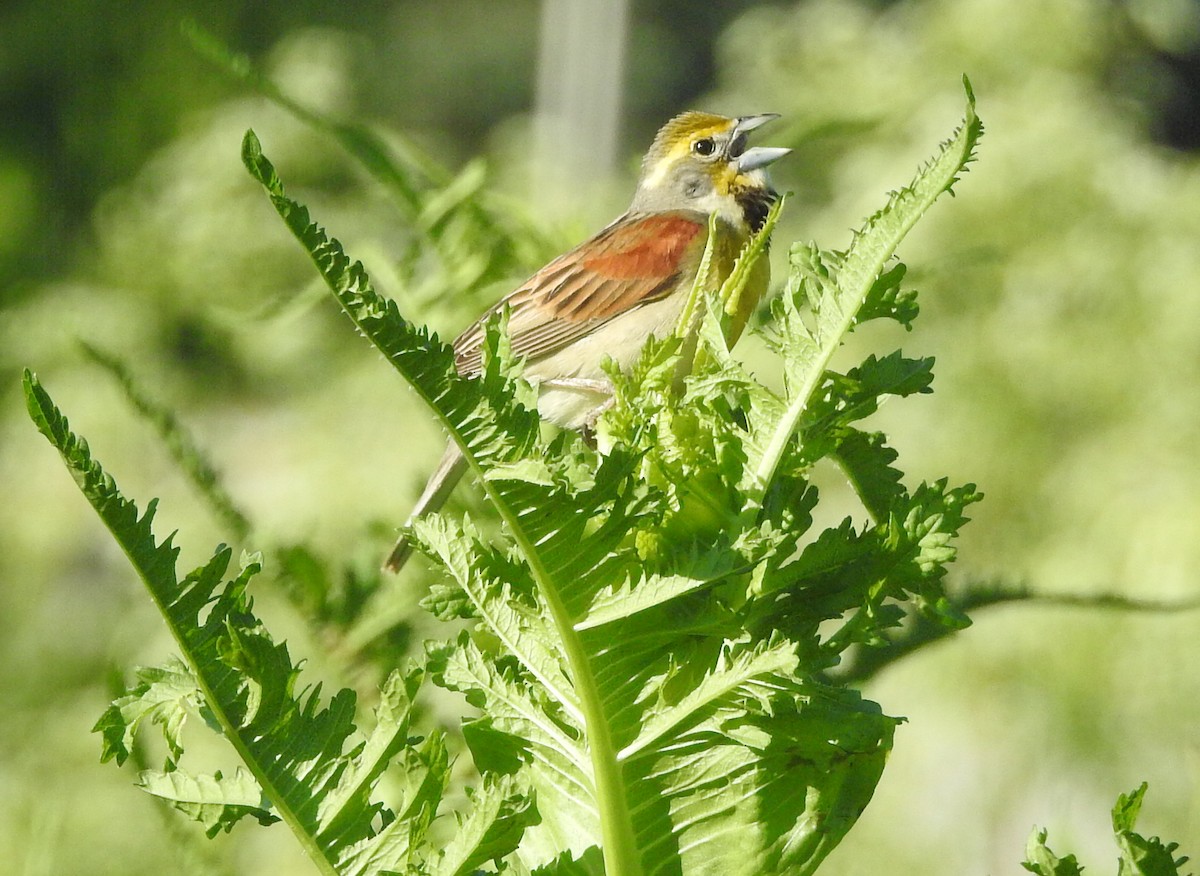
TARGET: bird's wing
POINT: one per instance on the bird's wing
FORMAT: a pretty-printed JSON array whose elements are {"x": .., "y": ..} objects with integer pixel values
[{"x": 635, "y": 260}]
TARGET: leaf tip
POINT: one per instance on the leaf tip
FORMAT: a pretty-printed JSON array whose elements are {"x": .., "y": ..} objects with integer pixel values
[
  {"x": 259, "y": 166},
  {"x": 37, "y": 401},
  {"x": 251, "y": 148}
]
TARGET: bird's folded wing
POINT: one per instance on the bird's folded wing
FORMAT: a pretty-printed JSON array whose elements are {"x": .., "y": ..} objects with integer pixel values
[{"x": 637, "y": 259}]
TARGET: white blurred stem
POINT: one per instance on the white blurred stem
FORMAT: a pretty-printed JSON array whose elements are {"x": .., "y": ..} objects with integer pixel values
[{"x": 581, "y": 65}]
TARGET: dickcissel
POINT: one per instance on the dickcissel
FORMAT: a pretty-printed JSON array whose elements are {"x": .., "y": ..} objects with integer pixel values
[{"x": 607, "y": 296}]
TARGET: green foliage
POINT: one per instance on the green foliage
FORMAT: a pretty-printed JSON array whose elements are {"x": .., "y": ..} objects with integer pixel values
[
  {"x": 1139, "y": 856},
  {"x": 301, "y": 762},
  {"x": 328, "y": 594},
  {"x": 648, "y": 632},
  {"x": 463, "y": 237},
  {"x": 188, "y": 455}
]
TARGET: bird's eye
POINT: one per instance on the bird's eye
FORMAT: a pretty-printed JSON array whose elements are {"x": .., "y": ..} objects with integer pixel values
[{"x": 704, "y": 146}]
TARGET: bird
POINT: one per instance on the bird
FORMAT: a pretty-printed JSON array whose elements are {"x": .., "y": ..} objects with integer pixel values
[{"x": 611, "y": 293}]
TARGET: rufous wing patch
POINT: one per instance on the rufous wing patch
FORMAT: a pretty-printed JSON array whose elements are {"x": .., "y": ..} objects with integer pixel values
[
  {"x": 651, "y": 247},
  {"x": 635, "y": 260}
]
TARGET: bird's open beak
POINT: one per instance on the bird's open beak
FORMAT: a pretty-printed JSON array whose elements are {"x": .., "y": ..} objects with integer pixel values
[
  {"x": 746, "y": 124},
  {"x": 757, "y": 156},
  {"x": 760, "y": 156}
]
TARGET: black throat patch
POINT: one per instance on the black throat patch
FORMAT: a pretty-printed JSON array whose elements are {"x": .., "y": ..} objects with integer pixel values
[{"x": 756, "y": 204}]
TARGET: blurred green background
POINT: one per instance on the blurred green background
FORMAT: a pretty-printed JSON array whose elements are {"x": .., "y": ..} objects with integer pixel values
[{"x": 1060, "y": 292}]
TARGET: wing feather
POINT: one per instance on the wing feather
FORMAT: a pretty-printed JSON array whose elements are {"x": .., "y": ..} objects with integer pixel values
[{"x": 636, "y": 260}]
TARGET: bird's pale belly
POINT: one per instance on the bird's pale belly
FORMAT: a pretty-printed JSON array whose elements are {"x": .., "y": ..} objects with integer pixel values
[{"x": 620, "y": 339}]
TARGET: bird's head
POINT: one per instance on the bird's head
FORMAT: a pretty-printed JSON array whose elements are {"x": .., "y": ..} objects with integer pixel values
[{"x": 700, "y": 161}]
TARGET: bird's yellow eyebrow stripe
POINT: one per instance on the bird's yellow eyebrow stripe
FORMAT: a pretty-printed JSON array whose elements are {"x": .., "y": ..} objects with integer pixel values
[
  {"x": 680, "y": 147},
  {"x": 684, "y": 144}
]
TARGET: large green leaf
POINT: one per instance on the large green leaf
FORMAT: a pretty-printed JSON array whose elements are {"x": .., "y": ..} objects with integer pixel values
[
  {"x": 302, "y": 761},
  {"x": 644, "y": 654}
]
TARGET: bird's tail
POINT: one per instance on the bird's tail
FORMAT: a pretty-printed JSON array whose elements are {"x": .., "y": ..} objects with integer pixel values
[{"x": 441, "y": 484}]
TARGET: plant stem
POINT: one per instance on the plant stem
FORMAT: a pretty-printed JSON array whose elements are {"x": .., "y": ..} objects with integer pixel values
[{"x": 616, "y": 825}]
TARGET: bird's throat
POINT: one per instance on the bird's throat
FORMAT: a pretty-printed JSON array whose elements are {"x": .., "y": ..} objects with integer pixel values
[{"x": 755, "y": 204}]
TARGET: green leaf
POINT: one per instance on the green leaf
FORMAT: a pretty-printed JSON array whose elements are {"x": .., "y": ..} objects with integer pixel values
[
  {"x": 1139, "y": 856},
  {"x": 304, "y": 762},
  {"x": 1127, "y": 808},
  {"x": 216, "y": 801},
  {"x": 1040, "y": 860},
  {"x": 836, "y": 285},
  {"x": 491, "y": 428},
  {"x": 886, "y": 300},
  {"x": 166, "y": 695},
  {"x": 738, "y": 667},
  {"x": 866, "y": 460},
  {"x": 503, "y": 809}
]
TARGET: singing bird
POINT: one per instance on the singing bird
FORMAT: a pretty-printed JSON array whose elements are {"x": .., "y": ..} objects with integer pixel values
[{"x": 607, "y": 296}]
